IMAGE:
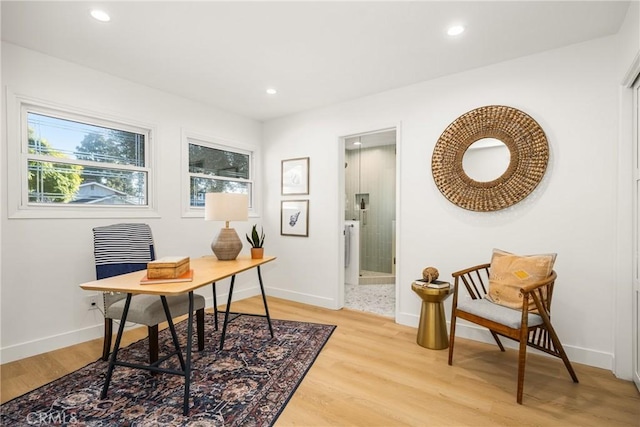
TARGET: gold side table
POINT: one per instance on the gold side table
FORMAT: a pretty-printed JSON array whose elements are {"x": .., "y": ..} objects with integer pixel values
[{"x": 432, "y": 330}]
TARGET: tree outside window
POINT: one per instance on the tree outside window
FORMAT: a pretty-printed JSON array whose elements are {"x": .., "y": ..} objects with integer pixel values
[
  {"x": 215, "y": 169},
  {"x": 75, "y": 162}
]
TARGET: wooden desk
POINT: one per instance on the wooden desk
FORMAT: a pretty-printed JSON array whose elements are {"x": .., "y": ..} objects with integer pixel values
[{"x": 207, "y": 270}]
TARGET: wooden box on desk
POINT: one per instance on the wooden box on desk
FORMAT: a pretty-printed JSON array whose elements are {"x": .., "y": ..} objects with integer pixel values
[{"x": 168, "y": 267}]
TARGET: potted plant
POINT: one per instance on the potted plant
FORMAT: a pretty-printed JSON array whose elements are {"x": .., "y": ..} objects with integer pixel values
[{"x": 256, "y": 240}]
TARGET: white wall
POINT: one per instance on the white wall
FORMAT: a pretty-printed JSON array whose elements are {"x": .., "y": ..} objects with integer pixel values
[
  {"x": 44, "y": 260},
  {"x": 572, "y": 92},
  {"x": 629, "y": 47}
]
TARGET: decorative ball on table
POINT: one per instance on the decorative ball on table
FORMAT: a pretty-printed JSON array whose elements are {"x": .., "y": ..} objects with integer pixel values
[{"x": 430, "y": 274}]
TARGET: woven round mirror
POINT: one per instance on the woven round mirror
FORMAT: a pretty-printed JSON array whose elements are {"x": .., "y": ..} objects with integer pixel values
[{"x": 528, "y": 158}]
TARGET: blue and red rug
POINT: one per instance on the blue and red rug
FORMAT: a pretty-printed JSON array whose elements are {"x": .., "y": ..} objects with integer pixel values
[{"x": 246, "y": 384}]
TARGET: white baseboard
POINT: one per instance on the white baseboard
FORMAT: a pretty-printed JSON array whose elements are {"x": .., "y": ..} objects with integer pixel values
[
  {"x": 303, "y": 298},
  {"x": 586, "y": 356},
  {"x": 238, "y": 295},
  {"x": 55, "y": 342}
]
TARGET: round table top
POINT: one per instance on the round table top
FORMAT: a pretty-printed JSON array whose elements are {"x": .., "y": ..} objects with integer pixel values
[{"x": 431, "y": 294}]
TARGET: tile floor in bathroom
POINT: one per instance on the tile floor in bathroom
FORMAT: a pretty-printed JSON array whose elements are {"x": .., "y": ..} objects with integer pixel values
[{"x": 376, "y": 298}]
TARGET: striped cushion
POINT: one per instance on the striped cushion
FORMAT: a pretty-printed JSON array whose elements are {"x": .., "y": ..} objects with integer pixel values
[
  {"x": 123, "y": 243},
  {"x": 122, "y": 248},
  {"x": 125, "y": 248}
]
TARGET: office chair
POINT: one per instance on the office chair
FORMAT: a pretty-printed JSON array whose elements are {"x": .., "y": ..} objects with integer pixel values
[{"x": 125, "y": 248}]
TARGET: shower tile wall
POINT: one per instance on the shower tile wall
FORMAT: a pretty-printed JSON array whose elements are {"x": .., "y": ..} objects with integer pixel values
[{"x": 371, "y": 171}]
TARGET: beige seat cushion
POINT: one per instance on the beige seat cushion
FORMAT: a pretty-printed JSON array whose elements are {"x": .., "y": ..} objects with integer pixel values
[
  {"x": 148, "y": 309},
  {"x": 497, "y": 313},
  {"x": 509, "y": 272}
]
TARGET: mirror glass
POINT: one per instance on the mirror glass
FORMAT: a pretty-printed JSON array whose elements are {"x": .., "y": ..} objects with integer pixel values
[{"x": 486, "y": 159}]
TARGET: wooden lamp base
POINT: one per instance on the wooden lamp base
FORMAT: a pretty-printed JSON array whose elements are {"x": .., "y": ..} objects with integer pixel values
[{"x": 227, "y": 245}]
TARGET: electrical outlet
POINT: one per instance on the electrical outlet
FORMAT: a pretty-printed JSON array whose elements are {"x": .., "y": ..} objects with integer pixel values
[{"x": 92, "y": 302}]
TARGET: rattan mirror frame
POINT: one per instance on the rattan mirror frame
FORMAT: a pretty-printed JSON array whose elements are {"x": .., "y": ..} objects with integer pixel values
[{"x": 529, "y": 156}]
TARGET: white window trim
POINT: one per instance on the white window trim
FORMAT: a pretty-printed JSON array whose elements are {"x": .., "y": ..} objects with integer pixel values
[
  {"x": 222, "y": 144},
  {"x": 17, "y": 191}
]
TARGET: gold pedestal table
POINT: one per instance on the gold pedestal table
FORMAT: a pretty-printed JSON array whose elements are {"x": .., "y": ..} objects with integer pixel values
[{"x": 432, "y": 330}]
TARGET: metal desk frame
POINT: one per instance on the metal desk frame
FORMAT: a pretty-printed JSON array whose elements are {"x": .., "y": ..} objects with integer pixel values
[{"x": 207, "y": 270}]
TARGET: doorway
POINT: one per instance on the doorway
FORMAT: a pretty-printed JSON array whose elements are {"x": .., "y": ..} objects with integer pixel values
[
  {"x": 370, "y": 216},
  {"x": 636, "y": 234}
]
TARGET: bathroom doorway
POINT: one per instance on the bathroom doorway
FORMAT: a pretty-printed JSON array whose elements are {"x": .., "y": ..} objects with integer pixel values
[{"x": 370, "y": 217}]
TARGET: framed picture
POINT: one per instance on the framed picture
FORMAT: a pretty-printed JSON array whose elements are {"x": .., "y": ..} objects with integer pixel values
[
  {"x": 294, "y": 218},
  {"x": 295, "y": 176}
]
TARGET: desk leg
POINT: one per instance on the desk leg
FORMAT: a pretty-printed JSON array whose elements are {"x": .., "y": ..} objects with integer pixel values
[
  {"x": 114, "y": 354},
  {"x": 215, "y": 305},
  {"x": 172, "y": 328},
  {"x": 187, "y": 368},
  {"x": 264, "y": 300},
  {"x": 226, "y": 313}
]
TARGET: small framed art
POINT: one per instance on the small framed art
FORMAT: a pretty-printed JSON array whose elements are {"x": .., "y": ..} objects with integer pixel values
[
  {"x": 295, "y": 176},
  {"x": 294, "y": 218}
]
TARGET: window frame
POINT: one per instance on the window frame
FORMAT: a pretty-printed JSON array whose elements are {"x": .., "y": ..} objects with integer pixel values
[
  {"x": 217, "y": 143},
  {"x": 19, "y": 157}
]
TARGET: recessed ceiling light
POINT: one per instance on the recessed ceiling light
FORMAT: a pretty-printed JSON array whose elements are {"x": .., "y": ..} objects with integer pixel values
[
  {"x": 100, "y": 15},
  {"x": 455, "y": 30},
  {"x": 272, "y": 91}
]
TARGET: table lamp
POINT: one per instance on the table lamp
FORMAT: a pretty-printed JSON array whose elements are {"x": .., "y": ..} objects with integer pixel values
[{"x": 226, "y": 207}]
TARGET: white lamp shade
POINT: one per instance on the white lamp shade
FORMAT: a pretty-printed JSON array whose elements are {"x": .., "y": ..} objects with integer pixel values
[{"x": 226, "y": 207}]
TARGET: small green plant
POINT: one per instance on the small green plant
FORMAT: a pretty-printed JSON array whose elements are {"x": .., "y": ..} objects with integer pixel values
[{"x": 256, "y": 240}]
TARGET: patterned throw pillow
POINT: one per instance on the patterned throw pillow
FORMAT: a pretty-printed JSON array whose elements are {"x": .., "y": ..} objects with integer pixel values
[{"x": 509, "y": 272}]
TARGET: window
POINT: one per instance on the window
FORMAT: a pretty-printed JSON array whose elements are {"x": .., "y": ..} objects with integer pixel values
[
  {"x": 74, "y": 160},
  {"x": 215, "y": 168}
]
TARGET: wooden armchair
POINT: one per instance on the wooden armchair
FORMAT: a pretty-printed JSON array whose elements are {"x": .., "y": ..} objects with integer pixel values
[{"x": 529, "y": 326}]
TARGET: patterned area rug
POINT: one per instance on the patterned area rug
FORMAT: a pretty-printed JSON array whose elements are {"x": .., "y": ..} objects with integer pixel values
[{"x": 246, "y": 384}]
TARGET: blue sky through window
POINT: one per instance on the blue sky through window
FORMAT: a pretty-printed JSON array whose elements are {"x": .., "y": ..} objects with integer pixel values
[{"x": 63, "y": 135}]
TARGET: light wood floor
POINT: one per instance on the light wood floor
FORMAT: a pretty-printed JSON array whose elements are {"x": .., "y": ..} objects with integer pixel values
[{"x": 372, "y": 373}]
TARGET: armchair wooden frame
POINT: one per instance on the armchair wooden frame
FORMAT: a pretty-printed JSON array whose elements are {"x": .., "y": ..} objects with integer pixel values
[{"x": 539, "y": 335}]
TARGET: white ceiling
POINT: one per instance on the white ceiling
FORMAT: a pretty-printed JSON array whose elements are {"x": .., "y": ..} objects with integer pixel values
[{"x": 226, "y": 54}]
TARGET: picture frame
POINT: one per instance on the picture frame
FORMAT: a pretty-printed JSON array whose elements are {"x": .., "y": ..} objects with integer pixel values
[
  {"x": 294, "y": 218},
  {"x": 295, "y": 176}
]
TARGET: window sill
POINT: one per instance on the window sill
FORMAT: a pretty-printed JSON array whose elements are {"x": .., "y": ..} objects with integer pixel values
[
  {"x": 192, "y": 213},
  {"x": 60, "y": 212}
]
